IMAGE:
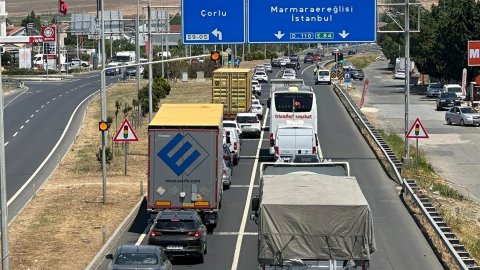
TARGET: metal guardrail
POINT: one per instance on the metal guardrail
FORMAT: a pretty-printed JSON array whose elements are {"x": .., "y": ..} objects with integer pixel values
[{"x": 456, "y": 249}]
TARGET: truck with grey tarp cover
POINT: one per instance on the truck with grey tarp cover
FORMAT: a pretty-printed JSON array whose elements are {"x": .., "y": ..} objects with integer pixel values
[{"x": 312, "y": 216}]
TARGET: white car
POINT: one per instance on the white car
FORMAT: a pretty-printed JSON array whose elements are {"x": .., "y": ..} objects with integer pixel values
[
  {"x": 233, "y": 124},
  {"x": 257, "y": 108},
  {"x": 453, "y": 88},
  {"x": 289, "y": 76},
  {"x": 249, "y": 123},
  {"x": 323, "y": 76},
  {"x": 233, "y": 142},
  {"x": 256, "y": 88},
  {"x": 268, "y": 67},
  {"x": 260, "y": 76},
  {"x": 400, "y": 74},
  {"x": 283, "y": 62}
]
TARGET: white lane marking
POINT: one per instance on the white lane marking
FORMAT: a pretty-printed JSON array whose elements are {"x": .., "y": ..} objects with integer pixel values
[
  {"x": 242, "y": 186},
  {"x": 51, "y": 152},
  {"x": 37, "y": 111},
  {"x": 48, "y": 102},
  {"x": 26, "y": 89},
  {"x": 16, "y": 133},
  {"x": 60, "y": 95},
  {"x": 28, "y": 120},
  {"x": 21, "y": 127},
  {"x": 42, "y": 106},
  {"x": 307, "y": 68},
  {"x": 6, "y": 143},
  {"x": 54, "y": 98},
  {"x": 142, "y": 236},
  {"x": 235, "y": 233},
  {"x": 238, "y": 246},
  {"x": 31, "y": 116}
]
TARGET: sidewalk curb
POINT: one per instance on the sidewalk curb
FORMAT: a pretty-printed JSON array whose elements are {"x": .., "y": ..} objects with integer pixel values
[{"x": 115, "y": 236}]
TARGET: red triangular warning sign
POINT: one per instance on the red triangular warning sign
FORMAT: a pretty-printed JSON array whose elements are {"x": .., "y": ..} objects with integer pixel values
[
  {"x": 417, "y": 131},
  {"x": 125, "y": 133}
]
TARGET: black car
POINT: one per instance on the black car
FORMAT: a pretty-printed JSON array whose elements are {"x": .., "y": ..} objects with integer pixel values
[
  {"x": 447, "y": 99},
  {"x": 181, "y": 233},
  {"x": 139, "y": 257},
  {"x": 294, "y": 58},
  {"x": 308, "y": 58},
  {"x": 294, "y": 65},
  {"x": 276, "y": 63},
  {"x": 352, "y": 52},
  {"x": 357, "y": 74}
]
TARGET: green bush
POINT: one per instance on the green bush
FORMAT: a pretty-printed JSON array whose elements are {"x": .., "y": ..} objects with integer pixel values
[
  {"x": 160, "y": 89},
  {"x": 108, "y": 155},
  {"x": 22, "y": 71},
  {"x": 256, "y": 55},
  {"x": 271, "y": 55}
]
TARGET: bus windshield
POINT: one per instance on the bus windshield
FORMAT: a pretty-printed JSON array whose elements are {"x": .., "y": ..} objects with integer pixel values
[{"x": 293, "y": 102}]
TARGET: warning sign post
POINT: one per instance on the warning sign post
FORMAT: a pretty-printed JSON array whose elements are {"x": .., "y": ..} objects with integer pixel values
[
  {"x": 125, "y": 134},
  {"x": 417, "y": 131}
]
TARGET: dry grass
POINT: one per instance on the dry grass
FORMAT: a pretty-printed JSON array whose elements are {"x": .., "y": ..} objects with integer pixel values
[{"x": 61, "y": 228}]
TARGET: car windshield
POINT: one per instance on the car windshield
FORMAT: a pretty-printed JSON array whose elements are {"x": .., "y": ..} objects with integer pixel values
[
  {"x": 175, "y": 224},
  {"x": 229, "y": 125},
  {"x": 454, "y": 89},
  {"x": 246, "y": 119},
  {"x": 260, "y": 73},
  {"x": 255, "y": 83},
  {"x": 136, "y": 259},
  {"x": 131, "y": 68},
  {"x": 293, "y": 102},
  {"x": 448, "y": 95},
  {"x": 323, "y": 73},
  {"x": 467, "y": 110},
  {"x": 435, "y": 85}
]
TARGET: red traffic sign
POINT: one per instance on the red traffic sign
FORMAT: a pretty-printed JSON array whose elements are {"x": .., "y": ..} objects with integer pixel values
[
  {"x": 49, "y": 33},
  {"x": 125, "y": 133},
  {"x": 417, "y": 131},
  {"x": 473, "y": 53}
]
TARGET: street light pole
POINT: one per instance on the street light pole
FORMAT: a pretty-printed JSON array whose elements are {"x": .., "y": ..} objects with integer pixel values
[
  {"x": 407, "y": 75},
  {"x": 137, "y": 58},
  {"x": 3, "y": 186},
  {"x": 103, "y": 104},
  {"x": 150, "y": 75}
]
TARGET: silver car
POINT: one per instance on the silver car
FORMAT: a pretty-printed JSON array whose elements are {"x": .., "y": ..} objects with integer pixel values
[
  {"x": 226, "y": 174},
  {"x": 139, "y": 257},
  {"x": 462, "y": 115},
  {"x": 434, "y": 89}
]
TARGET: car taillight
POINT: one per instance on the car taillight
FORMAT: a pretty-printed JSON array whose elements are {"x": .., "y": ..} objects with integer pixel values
[
  {"x": 154, "y": 233},
  {"x": 314, "y": 150},
  {"x": 272, "y": 140},
  {"x": 227, "y": 158},
  {"x": 196, "y": 234},
  {"x": 235, "y": 146},
  {"x": 224, "y": 171},
  {"x": 276, "y": 152}
]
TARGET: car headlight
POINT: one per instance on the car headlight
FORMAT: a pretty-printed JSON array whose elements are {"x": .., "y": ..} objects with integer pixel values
[
  {"x": 468, "y": 117},
  {"x": 442, "y": 100}
]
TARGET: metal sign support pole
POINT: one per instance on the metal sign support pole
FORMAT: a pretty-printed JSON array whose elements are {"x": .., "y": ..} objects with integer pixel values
[
  {"x": 416, "y": 155},
  {"x": 150, "y": 70},
  {"x": 137, "y": 59},
  {"x": 126, "y": 153}
]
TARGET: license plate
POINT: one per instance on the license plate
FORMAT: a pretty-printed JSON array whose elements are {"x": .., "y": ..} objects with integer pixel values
[{"x": 174, "y": 247}]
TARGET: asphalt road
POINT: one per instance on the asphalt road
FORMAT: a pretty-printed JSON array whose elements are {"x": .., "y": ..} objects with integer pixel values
[
  {"x": 40, "y": 125},
  {"x": 452, "y": 150},
  {"x": 400, "y": 244}
]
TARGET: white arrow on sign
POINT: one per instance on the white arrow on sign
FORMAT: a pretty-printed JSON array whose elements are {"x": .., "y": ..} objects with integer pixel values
[
  {"x": 217, "y": 33},
  {"x": 279, "y": 34},
  {"x": 343, "y": 34}
]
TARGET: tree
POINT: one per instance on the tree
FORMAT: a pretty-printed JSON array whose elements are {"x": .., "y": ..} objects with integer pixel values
[{"x": 32, "y": 18}]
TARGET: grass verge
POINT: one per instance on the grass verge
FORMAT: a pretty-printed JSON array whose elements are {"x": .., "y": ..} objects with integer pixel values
[{"x": 459, "y": 213}]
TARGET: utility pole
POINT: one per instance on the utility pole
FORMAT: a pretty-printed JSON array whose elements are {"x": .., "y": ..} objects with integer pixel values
[
  {"x": 407, "y": 76},
  {"x": 3, "y": 186}
]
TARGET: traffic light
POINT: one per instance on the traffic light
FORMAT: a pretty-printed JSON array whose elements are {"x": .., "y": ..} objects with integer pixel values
[
  {"x": 125, "y": 132},
  {"x": 229, "y": 59},
  {"x": 340, "y": 56},
  {"x": 102, "y": 126},
  {"x": 215, "y": 56}
]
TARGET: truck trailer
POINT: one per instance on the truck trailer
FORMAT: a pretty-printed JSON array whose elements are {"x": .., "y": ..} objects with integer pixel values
[
  {"x": 312, "y": 216},
  {"x": 232, "y": 87},
  {"x": 185, "y": 160}
]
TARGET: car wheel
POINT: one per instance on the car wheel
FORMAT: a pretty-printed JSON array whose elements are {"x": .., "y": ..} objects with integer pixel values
[
  {"x": 235, "y": 160},
  {"x": 448, "y": 121},
  {"x": 462, "y": 123},
  {"x": 205, "y": 249},
  {"x": 200, "y": 258},
  {"x": 438, "y": 108}
]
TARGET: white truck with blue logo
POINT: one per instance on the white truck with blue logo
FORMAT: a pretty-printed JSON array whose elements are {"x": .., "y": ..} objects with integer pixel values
[{"x": 186, "y": 159}]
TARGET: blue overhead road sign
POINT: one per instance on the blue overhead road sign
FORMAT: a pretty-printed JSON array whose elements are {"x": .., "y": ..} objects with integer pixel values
[
  {"x": 311, "y": 21},
  {"x": 213, "y": 21}
]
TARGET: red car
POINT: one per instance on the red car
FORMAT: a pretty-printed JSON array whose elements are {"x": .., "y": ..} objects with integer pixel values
[{"x": 317, "y": 57}]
